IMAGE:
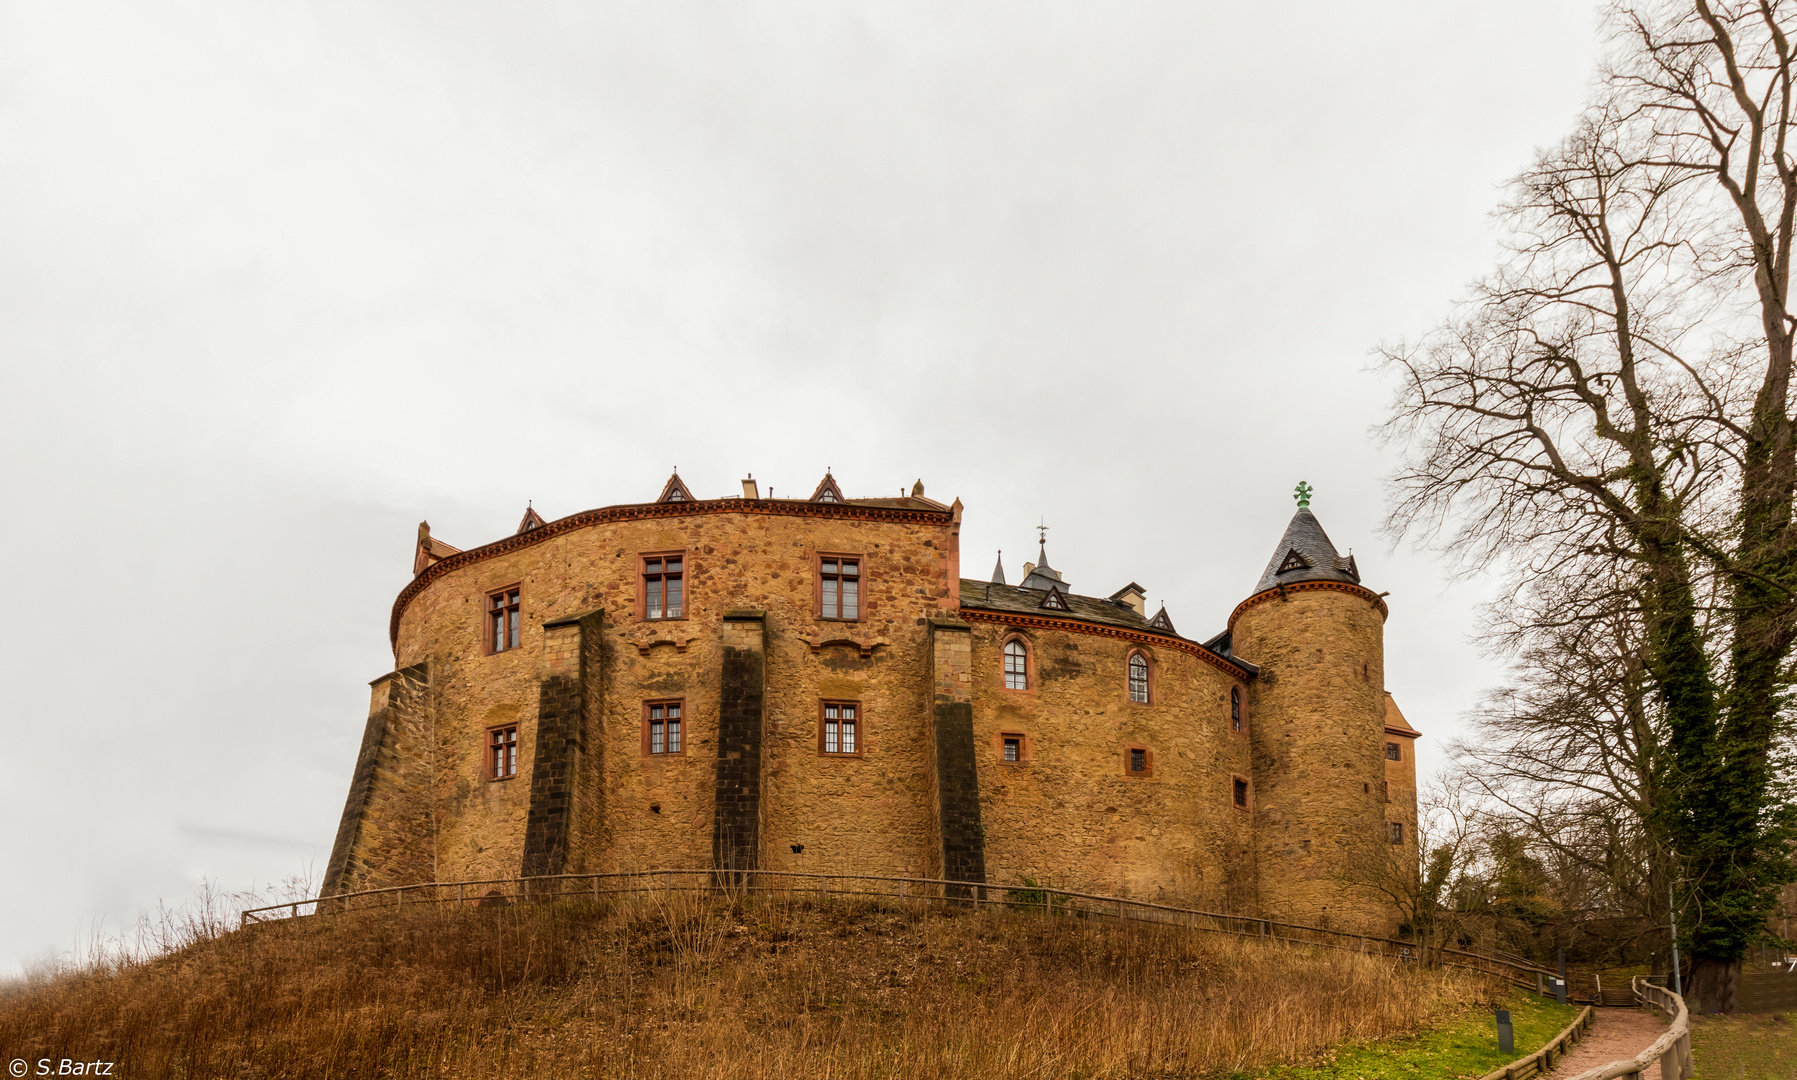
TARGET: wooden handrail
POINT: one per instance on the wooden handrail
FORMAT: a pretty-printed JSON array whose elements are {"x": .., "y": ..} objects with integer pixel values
[
  {"x": 1672, "y": 1050},
  {"x": 1542, "y": 1061}
]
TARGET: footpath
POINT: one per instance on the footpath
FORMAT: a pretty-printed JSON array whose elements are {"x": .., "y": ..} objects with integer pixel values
[{"x": 1615, "y": 1034}]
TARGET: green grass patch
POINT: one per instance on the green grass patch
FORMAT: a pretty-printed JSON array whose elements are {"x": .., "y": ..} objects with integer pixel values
[
  {"x": 1465, "y": 1046},
  {"x": 1743, "y": 1047}
]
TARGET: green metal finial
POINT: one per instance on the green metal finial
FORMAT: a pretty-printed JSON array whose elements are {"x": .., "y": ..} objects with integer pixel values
[{"x": 1302, "y": 494}]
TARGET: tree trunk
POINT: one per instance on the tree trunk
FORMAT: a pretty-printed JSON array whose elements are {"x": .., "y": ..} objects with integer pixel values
[{"x": 1712, "y": 986}]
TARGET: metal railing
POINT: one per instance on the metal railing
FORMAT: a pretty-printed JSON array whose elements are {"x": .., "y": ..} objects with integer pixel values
[{"x": 1039, "y": 899}]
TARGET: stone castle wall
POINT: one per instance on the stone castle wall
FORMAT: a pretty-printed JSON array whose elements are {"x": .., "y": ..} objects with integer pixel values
[{"x": 929, "y": 793}]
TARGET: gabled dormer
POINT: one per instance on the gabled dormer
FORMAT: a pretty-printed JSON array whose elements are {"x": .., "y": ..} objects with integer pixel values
[
  {"x": 530, "y": 520},
  {"x": 429, "y": 550},
  {"x": 675, "y": 491},
  {"x": 1053, "y": 600},
  {"x": 1293, "y": 561},
  {"x": 1162, "y": 621},
  {"x": 827, "y": 491}
]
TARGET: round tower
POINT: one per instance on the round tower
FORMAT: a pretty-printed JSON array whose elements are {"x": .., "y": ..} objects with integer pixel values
[{"x": 1317, "y": 729}]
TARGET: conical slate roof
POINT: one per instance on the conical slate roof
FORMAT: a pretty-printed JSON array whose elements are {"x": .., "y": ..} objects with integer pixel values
[{"x": 1305, "y": 554}]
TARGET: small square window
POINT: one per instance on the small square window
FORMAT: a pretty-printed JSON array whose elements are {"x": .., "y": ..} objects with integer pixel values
[
  {"x": 502, "y": 620},
  {"x": 1138, "y": 761},
  {"x": 1396, "y": 831},
  {"x": 839, "y": 587},
  {"x": 664, "y": 728},
  {"x": 1010, "y": 746},
  {"x": 1241, "y": 793},
  {"x": 1394, "y": 752},
  {"x": 839, "y": 733},
  {"x": 502, "y": 752}
]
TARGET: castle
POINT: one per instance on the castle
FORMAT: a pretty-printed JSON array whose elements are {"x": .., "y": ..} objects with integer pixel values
[{"x": 811, "y": 685}]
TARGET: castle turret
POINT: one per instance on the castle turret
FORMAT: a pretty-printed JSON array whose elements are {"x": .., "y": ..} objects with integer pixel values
[{"x": 1317, "y": 728}]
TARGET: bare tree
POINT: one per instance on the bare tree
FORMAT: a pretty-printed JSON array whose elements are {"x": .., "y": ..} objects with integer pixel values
[{"x": 1608, "y": 421}]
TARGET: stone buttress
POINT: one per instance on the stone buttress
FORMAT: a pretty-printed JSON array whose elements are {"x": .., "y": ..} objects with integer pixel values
[
  {"x": 387, "y": 836},
  {"x": 736, "y": 822},
  {"x": 961, "y": 842}
]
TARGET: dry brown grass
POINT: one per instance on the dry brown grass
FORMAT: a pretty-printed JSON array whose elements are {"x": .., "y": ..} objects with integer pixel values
[{"x": 697, "y": 987}]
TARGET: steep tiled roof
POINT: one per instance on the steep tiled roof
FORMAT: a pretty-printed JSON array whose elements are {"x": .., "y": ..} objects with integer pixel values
[
  {"x": 1306, "y": 554},
  {"x": 992, "y": 596}
]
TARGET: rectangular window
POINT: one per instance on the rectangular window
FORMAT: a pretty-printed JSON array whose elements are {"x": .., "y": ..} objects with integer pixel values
[
  {"x": 1138, "y": 760},
  {"x": 502, "y": 753},
  {"x": 1393, "y": 752},
  {"x": 1397, "y": 831},
  {"x": 662, "y": 733},
  {"x": 664, "y": 577},
  {"x": 1241, "y": 793},
  {"x": 840, "y": 728},
  {"x": 839, "y": 583},
  {"x": 1013, "y": 748},
  {"x": 502, "y": 620}
]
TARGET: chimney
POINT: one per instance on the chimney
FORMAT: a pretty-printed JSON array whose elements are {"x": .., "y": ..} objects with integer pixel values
[
  {"x": 750, "y": 490},
  {"x": 1134, "y": 596}
]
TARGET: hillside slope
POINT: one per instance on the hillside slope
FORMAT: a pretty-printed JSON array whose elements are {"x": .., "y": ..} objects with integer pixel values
[{"x": 690, "y": 987}]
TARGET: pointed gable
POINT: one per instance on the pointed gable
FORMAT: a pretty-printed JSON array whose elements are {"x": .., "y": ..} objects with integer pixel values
[
  {"x": 1053, "y": 600},
  {"x": 1162, "y": 622},
  {"x": 827, "y": 491},
  {"x": 676, "y": 491},
  {"x": 1305, "y": 553},
  {"x": 530, "y": 520},
  {"x": 429, "y": 550}
]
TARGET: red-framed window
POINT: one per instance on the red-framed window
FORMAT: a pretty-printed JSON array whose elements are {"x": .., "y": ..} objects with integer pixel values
[
  {"x": 1240, "y": 792},
  {"x": 664, "y": 728},
  {"x": 839, "y": 591},
  {"x": 841, "y": 732},
  {"x": 502, "y": 752},
  {"x": 1013, "y": 747},
  {"x": 661, "y": 586},
  {"x": 1138, "y": 761},
  {"x": 1016, "y": 652},
  {"x": 1140, "y": 681},
  {"x": 502, "y": 619}
]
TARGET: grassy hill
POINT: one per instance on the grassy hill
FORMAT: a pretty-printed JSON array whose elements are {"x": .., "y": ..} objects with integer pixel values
[{"x": 707, "y": 989}]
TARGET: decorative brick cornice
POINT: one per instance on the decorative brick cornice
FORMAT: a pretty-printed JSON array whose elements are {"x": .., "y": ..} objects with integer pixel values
[
  {"x": 648, "y": 511},
  {"x": 1077, "y": 626},
  {"x": 1310, "y": 586}
]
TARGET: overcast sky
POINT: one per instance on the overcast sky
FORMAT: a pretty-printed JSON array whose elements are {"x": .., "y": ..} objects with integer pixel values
[{"x": 278, "y": 280}]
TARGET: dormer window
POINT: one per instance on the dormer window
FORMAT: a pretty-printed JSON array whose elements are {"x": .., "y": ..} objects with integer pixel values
[
  {"x": 1054, "y": 601},
  {"x": 1293, "y": 561}
]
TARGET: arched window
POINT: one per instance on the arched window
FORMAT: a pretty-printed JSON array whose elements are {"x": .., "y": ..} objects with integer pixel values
[
  {"x": 1138, "y": 678},
  {"x": 1235, "y": 708},
  {"x": 1017, "y": 665}
]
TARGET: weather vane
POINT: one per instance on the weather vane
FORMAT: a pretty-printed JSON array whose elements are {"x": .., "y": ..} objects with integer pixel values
[
  {"x": 1042, "y": 531},
  {"x": 1302, "y": 494}
]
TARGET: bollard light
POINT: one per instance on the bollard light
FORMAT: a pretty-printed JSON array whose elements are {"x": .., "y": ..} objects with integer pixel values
[{"x": 1506, "y": 1033}]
